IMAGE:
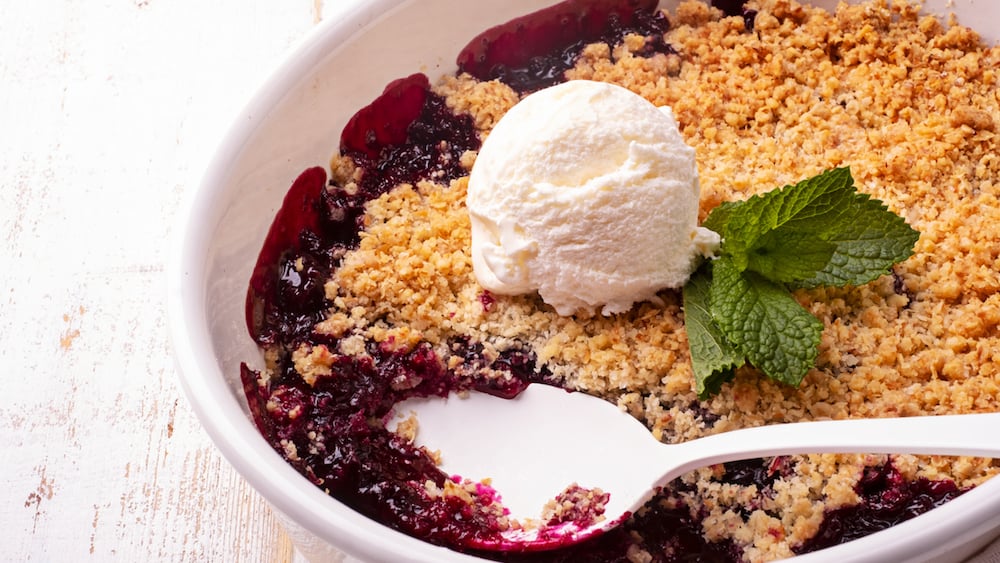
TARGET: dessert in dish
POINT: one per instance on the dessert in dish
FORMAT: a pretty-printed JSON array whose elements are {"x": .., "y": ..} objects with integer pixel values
[{"x": 369, "y": 296}]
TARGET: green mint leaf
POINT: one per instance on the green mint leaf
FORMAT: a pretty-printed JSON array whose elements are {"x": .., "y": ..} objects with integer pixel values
[
  {"x": 718, "y": 218},
  {"x": 820, "y": 231},
  {"x": 869, "y": 240},
  {"x": 764, "y": 322},
  {"x": 789, "y": 256},
  {"x": 805, "y": 212},
  {"x": 811, "y": 206},
  {"x": 713, "y": 359}
]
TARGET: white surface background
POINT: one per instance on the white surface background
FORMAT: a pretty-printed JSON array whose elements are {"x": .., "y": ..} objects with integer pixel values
[{"x": 109, "y": 110}]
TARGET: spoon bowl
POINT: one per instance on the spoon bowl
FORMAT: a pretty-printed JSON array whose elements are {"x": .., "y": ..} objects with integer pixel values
[{"x": 536, "y": 445}]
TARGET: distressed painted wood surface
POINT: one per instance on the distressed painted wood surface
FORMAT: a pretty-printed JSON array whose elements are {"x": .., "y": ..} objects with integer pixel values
[{"x": 109, "y": 110}]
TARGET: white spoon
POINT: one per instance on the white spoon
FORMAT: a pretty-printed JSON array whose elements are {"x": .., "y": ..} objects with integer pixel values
[{"x": 545, "y": 439}]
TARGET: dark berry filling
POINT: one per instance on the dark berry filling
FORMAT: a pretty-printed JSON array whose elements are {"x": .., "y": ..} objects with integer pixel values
[
  {"x": 887, "y": 498},
  {"x": 533, "y": 51},
  {"x": 331, "y": 428},
  {"x": 737, "y": 8},
  {"x": 285, "y": 298},
  {"x": 332, "y": 432},
  {"x": 519, "y": 365},
  {"x": 666, "y": 530},
  {"x": 407, "y": 134},
  {"x": 730, "y": 7}
]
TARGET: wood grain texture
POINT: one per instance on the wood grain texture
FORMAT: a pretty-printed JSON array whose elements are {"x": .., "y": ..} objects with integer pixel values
[{"x": 109, "y": 111}]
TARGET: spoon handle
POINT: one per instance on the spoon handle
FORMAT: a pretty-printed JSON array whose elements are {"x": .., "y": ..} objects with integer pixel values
[{"x": 964, "y": 434}]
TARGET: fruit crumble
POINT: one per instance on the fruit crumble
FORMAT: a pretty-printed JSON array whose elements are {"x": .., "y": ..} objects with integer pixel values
[{"x": 364, "y": 293}]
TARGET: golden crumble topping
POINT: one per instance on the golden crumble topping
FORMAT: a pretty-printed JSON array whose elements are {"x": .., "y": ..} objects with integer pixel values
[{"x": 909, "y": 103}]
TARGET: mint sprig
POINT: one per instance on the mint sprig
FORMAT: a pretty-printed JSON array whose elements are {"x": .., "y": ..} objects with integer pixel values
[
  {"x": 819, "y": 232},
  {"x": 714, "y": 359}
]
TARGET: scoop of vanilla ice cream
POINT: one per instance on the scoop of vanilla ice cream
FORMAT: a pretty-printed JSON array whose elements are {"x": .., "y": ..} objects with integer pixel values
[{"x": 586, "y": 193}]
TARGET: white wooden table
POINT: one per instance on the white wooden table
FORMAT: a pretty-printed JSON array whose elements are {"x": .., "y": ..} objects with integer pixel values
[{"x": 109, "y": 110}]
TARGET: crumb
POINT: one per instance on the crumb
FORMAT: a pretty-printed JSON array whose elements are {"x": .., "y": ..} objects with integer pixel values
[
  {"x": 407, "y": 428},
  {"x": 581, "y": 506}
]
